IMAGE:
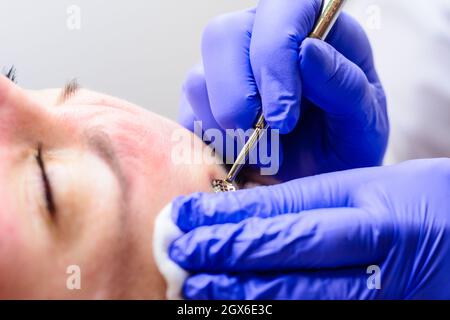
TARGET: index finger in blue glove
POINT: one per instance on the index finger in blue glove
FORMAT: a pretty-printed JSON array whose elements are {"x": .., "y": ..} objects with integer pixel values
[
  {"x": 315, "y": 239},
  {"x": 195, "y": 107},
  {"x": 196, "y": 93},
  {"x": 280, "y": 27},
  {"x": 324, "y": 191}
]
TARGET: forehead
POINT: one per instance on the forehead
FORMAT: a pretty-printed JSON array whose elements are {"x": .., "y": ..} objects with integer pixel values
[{"x": 87, "y": 108}]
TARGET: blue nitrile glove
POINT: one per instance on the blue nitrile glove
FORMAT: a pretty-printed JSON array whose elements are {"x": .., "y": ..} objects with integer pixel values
[
  {"x": 314, "y": 238},
  {"x": 260, "y": 57}
]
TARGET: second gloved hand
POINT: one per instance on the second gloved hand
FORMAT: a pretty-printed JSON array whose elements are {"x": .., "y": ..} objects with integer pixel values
[
  {"x": 315, "y": 238},
  {"x": 324, "y": 97}
]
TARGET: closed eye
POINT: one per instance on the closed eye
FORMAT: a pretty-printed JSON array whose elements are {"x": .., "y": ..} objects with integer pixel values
[{"x": 46, "y": 182}]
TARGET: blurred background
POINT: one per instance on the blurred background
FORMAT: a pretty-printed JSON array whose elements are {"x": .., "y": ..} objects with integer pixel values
[
  {"x": 141, "y": 50},
  {"x": 138, "y": 50}
]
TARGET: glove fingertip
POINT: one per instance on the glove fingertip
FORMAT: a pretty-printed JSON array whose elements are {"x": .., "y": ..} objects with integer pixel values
[
  {"x": 317, "y": 60},
  {"x": 284, "y": 116},
  {"x": 183, "y": 214},
  {"x": 195, "y": 84},
  {"x": 177, "y": 255},
  {"x": 280, "y": 90},
  {"x": 186, "y": 117}
]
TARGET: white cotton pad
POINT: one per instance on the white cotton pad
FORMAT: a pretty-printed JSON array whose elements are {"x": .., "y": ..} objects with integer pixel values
[{"x": 166, "y": 231}]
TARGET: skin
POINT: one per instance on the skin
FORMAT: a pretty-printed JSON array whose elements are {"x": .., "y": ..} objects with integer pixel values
[{"x": 102, "y": 222}]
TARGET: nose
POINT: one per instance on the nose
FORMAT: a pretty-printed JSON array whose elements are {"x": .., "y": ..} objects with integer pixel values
[{"x": 20, "y": 115}]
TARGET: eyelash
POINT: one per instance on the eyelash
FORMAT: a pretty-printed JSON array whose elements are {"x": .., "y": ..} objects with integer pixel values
[
  {"x": 11, "y": 74},
  {"x": 47, "y": 186}
]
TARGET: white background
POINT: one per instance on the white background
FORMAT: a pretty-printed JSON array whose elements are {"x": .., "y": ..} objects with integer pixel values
[{"x": 139, "y": 50}]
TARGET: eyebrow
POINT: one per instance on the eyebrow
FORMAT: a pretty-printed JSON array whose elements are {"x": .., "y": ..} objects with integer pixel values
[
  {"x": 100, "y": 143},
  {"x": 69, "y": 90}
]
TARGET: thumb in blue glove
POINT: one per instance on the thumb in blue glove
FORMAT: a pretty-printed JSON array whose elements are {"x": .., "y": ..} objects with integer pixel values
[{"x": 314, "y": 238}]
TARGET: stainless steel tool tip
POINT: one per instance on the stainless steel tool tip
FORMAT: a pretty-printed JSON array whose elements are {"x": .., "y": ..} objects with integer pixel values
[{"x": 222, "y": 186}]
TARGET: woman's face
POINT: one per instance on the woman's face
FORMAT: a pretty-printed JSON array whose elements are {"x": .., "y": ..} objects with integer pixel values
[{"x": 82, "y": 176}]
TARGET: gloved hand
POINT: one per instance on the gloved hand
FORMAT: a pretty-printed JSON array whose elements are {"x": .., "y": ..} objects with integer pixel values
[
  {"x": 260, "y": 58},
  {"x": 314, "y": 238}
]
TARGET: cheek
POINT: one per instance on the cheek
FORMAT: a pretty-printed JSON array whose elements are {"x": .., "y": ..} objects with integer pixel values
[
  {"x": 9, "y": 214},
  {"x": 136, "y": 142},
  {"x": 9, "y": 234},
  {"x": 143, "y": 155},
  {"x": 21, "y": 257},
  {"x": 11, "y": 245}
]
